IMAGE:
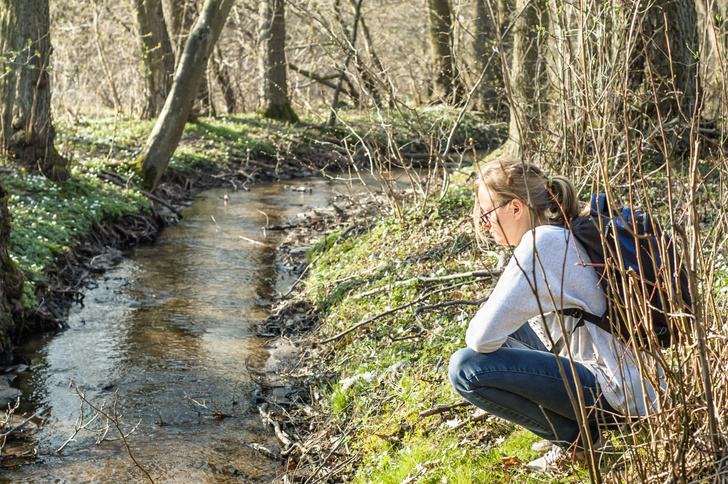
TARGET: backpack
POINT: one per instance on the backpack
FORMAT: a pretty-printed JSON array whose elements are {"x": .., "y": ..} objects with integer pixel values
[{"x": 635, "y": 236}]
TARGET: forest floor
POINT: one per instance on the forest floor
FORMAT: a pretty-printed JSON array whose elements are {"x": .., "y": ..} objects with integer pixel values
[
  {"x": 360, "y": 345},
  {"x": 63, "y": 233}
]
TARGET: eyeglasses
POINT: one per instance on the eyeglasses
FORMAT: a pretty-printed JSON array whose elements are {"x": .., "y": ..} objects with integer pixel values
[{"x": 485, "y": 218}]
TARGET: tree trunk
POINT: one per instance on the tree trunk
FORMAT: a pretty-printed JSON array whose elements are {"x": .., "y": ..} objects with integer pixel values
[
  {"x": 222, "y": 76},
  {"x": 486, "y": 29},
  {"x": 157, "y": 55},
  {"x": 714, "y": 46},
  {"x": 179, "y": 16},
  {"x": 671, "y": 30},
  {"x": 11, "y": 284},
  {"x": 26, "y": 127},
  {"x": 523, "y": 77},
  {"x": 273, "y": 65},
  {"x": 446, "y": 86},
  {"x": 167, "y": 132}
]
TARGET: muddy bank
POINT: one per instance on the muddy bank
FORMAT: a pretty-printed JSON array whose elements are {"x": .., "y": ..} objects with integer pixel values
[{"x": 290, "y": 402}]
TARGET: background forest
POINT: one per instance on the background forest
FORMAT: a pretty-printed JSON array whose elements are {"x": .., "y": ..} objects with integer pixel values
[{"x": 625, "y": 97}]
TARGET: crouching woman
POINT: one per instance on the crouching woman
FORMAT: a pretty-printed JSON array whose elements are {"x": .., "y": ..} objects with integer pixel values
[{"x": 510, "y": 367}]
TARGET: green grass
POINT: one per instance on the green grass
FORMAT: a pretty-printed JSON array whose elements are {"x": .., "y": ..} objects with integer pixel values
[{"x": 389, "y": 373}]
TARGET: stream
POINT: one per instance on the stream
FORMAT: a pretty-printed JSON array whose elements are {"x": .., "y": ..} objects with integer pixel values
[{"x": 162, "y": 340}]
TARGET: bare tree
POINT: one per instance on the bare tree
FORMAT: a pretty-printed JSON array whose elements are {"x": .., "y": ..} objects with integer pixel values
[
  {"x": 26, "y": 126},
  {"x": 167, "y": 131},
  {"x": 522, "y": 76},
  {"x": 446, "y": 85},
  {"x": 273, "y": 66},
  {"x": 157, "y": 55},
  {"x": 486, "y": 28},
  {"x": 179, "y": 16}
]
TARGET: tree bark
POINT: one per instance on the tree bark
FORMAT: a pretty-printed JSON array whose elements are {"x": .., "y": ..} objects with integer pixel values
[
  {"x": 446, "y": 85},
  {"x": 179, "y": 16},
  {"x": 671, "y": 30},
  {"x": 168, "y": 129},
  {"x": 26, "y": 127},
  {"x": 486, "y": 29},
  {"x": 523, "y": 77},
  {"x": 157, "y": 55},
  {"x": 11, "y": 284},
  {"x": 273, "y": 66},
  {"x": 714, "y": 45}
]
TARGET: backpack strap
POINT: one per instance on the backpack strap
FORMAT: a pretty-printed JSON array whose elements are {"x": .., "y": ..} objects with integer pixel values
[
  {"x": 582, "y": 316},
  {"x": 598, "y": 203}
]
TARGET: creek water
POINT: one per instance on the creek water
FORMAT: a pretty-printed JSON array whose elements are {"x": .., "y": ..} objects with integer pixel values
[{"x": 166, "y": 333}]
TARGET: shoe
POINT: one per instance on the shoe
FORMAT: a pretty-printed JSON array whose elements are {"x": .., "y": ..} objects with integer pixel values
[
  {"x": 542, "y": 446},
  {"x": 601, "y": 446},
  {"x": 554, "y": 460}
]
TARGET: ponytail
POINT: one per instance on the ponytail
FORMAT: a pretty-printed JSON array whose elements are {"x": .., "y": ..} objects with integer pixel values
[{"x": 564, "y": 206}]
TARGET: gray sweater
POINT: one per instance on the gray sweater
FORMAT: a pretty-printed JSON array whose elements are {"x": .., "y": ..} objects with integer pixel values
[{"x": 548, "y": 271}]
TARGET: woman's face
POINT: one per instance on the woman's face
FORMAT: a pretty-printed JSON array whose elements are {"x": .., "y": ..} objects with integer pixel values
[{"x": 506, "y": 222}]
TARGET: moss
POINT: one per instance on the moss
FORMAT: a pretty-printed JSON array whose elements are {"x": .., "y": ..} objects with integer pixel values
[{"x": 281, "y": 112}]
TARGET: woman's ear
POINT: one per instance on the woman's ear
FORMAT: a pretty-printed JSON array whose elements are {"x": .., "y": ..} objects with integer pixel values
[{"x": 518, "y": 208}]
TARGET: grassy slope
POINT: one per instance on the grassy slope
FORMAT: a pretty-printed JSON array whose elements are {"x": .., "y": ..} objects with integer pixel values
[{"x": 390, "y": 373}]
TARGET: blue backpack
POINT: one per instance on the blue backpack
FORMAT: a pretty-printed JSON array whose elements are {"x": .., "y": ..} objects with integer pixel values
[{"x": 635, "y": 236}]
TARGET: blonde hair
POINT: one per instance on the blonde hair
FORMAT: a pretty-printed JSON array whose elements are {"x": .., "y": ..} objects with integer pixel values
[{"x": 551, "y": 199}]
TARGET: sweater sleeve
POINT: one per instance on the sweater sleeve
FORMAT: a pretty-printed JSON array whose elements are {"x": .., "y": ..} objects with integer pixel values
[{"x": 544, "y": 273}]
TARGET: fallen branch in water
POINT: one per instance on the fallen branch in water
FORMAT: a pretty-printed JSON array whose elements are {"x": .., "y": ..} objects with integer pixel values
[
  {"x": 17, "y": 427},
  {"x": 264, "y": 450},
  {"x": 114, "y": 420}
]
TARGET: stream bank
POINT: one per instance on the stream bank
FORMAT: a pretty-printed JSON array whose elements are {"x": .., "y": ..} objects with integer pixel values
[{"x": 169, "y": 330}]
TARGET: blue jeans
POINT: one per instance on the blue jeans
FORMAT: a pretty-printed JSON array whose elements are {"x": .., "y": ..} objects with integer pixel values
[{"x": 521, "y": 382}]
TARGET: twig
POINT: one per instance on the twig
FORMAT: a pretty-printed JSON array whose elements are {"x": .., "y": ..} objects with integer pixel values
[
  {"x": 300, "y": 278},
  {"x": 280, "y": 434},
  {"x": 324, "y": 461},
  {"x": 476, "y": 274},
  {"x": 420, "y": 299},
  {"x": 477, "y": 302},
  {"x": 115, "y": 421},
  {"x": 17, "y": 427},
  {"x": 442, "y": 408},
  {"x": 251, "y": 240},
  {"x": 338, "y": 468}
]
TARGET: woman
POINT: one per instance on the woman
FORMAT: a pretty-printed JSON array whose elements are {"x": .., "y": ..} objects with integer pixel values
[{"x": 509, "y": 367}]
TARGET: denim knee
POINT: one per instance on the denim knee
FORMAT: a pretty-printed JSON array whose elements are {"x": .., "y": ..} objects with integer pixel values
[{"x": 458, "y": 361}]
